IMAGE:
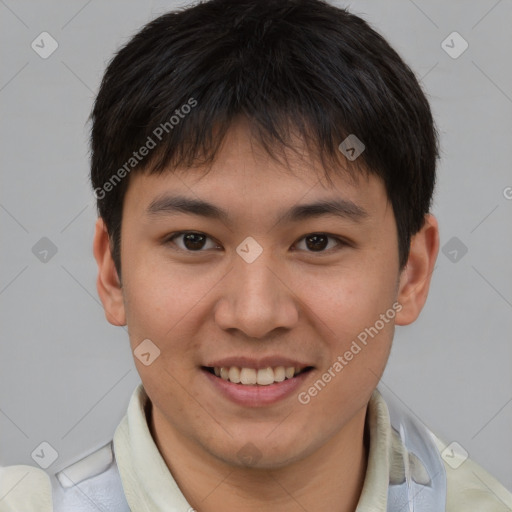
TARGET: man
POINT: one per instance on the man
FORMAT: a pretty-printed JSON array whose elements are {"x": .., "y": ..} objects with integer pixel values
[{"x": 264, "y": 173}]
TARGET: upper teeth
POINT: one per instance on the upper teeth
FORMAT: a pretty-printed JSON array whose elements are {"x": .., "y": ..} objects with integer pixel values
[{"x": 251, "y": 376}]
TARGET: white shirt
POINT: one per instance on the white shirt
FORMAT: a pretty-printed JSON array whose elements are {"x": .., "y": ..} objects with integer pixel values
[{"x": 150, "y": 487}]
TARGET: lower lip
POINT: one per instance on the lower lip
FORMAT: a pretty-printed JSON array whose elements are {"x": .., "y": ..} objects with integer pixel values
[{"x": 256, "y": 396}]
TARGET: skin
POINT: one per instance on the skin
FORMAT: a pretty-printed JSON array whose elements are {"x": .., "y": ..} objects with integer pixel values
[{"x": 294, "y": 300}]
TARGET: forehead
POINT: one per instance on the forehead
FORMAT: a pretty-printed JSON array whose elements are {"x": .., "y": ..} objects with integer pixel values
[{"x": 245, "y": 174}]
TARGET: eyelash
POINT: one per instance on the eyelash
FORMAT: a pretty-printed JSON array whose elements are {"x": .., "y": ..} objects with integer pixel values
[{"x": 340, "y": 241}]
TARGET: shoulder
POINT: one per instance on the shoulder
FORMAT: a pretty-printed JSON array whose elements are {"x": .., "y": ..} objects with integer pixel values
[
  {"x": 469, "y": 486},
  {"x": 25, "y": 488}
]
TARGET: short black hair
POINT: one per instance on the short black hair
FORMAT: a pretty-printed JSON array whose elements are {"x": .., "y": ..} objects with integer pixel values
[{"x": 299, "y": 67}]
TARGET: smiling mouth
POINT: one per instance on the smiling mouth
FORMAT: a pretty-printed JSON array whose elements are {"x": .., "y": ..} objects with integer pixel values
[{"x": 254, "y": 377}]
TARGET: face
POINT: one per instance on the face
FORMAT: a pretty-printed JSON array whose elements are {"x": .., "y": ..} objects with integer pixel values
[{"x": 308, "y": 299}]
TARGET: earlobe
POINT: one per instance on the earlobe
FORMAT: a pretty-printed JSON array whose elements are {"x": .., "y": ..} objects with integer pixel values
[
  {"x": 417, "y": 274},
  {"x": 108, "y": 283}
]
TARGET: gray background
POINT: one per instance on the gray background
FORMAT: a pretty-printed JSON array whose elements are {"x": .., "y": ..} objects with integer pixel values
[{"x": 66, "y": 375}]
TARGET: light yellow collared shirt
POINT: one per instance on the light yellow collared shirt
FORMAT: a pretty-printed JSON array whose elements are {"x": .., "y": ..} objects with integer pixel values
[{"x": 150, "y": 487}]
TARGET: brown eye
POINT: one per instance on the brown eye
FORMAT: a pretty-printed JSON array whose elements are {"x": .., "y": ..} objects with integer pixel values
[
  {"x": 317, "y": 242},
  {"x": 191, "y": 241}
]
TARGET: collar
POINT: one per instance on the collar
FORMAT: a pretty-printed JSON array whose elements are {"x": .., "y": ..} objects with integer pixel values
[{"x": 150, "y": 487}]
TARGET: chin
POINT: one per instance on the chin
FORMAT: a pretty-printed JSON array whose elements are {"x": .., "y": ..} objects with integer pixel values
[{"x": 258, "y": 453}]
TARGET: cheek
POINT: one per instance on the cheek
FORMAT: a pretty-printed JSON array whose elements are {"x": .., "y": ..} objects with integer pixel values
[
  {"x": 354, "y": 314},
  {"x": 164, "y": 301},
  {"x": 348, "y": 299}
]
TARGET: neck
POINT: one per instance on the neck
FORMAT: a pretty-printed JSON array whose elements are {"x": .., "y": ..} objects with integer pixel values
[{"x": 331, "y": 478}]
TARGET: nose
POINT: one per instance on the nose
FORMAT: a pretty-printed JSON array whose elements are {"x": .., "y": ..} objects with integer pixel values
[{"x": 257, "y": 299}]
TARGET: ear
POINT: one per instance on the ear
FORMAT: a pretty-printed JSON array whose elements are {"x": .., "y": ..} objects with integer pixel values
[
  {"x": 108, "y": 283},
  {"x": 415, "y": 277}
]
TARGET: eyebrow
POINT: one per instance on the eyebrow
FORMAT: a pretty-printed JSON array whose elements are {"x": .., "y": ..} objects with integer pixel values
[{"x": 176, "y": 204}]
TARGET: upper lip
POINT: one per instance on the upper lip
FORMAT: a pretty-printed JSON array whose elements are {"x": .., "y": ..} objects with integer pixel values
[{"x": 251, "y": 362}]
